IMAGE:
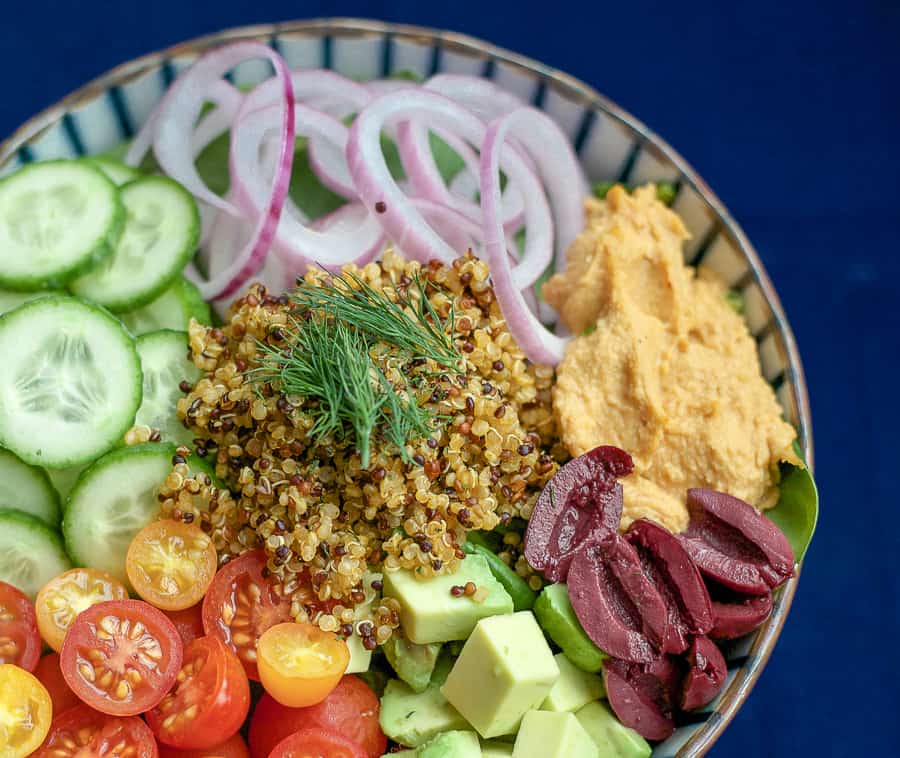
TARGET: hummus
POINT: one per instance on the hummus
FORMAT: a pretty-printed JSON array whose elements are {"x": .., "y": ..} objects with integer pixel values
[{"x": 670, "y": 373}]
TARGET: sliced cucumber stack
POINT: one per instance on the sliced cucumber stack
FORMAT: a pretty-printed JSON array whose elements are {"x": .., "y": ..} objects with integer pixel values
[
  {"x": 57, "y": 220},
  {"x": 70, "y": 381},
  {"x": 165, "y": 365},
  {"x": 111, "y": 502},
  {"x": 173, "y": 309},
  {"x": 31, "y": 553},
  {"x": 116, "y": 171},
  {"x": 28, "y": 489},
  {"x": 161, "y": 232}
]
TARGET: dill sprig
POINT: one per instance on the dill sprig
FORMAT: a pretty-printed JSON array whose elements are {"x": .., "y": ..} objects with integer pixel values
[{"x": 333, "y": 355}]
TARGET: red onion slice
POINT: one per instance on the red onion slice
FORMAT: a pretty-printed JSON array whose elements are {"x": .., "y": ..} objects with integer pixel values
[{"x": 481, "y": 96}]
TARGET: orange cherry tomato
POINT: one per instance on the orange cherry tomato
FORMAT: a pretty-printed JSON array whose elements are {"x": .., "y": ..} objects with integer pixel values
[
  {"x": 82, "y": 732},
  {"x": 234, "y": 747},
  {"x": 65, "y": 596},
  {"x": 121, "y": 657},
  {"x": 352, "y": 709},
  {"x": 299, "y": 664},
  {"x": 241, "y": 604},
  {"x": 50, "y": 675},
  {"x": 209, "y": 702},
  {"x": 188, "y": 622},
  {"x": 170, "y": 564},
  {"x": 25, "y": 712},
  {"x": 317, "y": 743},
  {"x": 20, "y": 642}
]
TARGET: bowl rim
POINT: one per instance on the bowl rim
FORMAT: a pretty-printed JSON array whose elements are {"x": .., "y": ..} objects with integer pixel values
[{"x": 707, "y": 732}]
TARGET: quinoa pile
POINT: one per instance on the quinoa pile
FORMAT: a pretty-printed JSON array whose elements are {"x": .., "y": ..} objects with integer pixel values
[{"x": 324, "y": 520}]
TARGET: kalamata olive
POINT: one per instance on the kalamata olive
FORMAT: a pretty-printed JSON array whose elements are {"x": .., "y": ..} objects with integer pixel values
[
  {"x": 639, "y": 699},
  {"x": 581, "y": 503},
  {"x": 734, "y": 544},
  {"x": 615, "y": 601},
  {"x": 739, "y": 616},
  {"x": 706, "y": 673},
  {"x": 672, "y": 572}
]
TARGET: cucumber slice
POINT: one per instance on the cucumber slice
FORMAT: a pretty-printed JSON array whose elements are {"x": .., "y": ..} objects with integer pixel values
[
  {"x": 57, "y": 220},
  {"x": 173, "y": 309},
  {"x": 116, "y": 171},
  {"x": 11, "y": 300},
  {"x": 70, "y": 381},
  {"x": 112, "y": 501},
  {"x": 63, "y": 480},
  {"x": 31, "y": 553},
  {"x": 161, "y": 233},
  {"x": 165, "y": 365},
  {"x": 27, "y": 488}
]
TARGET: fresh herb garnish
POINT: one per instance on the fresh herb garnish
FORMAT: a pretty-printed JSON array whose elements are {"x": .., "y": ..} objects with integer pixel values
[{"x": 340, "y": 349}]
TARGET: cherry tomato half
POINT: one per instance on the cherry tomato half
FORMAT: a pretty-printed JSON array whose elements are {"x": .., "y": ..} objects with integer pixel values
[
  {"x": 209, "y": 702},
  {"x": 121, "y": 657},
  {"x": 188, "y": 622},
  {"x": 82, "y": 732},
  {"x": 25, "y": 712},
  {"x": 299, "y": 664},
  {"x": 20, "y": 641},
  {"x": 234, "y": 747},
  {"x": 351, "y": 709},
  {"x": 50, "y": 675},
  {"x": 170, "y": 564},
  {"x": 317, "y": 743},
  {"x": 65, "y": 596},
  {"x": 241, "y": 604}
]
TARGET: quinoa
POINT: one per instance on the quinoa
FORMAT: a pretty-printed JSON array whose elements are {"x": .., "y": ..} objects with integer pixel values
[{"x": 325, "y": 521}]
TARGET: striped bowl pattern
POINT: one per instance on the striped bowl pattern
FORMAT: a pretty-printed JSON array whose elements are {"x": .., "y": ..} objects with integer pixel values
[{"x": 611, "y": 144}]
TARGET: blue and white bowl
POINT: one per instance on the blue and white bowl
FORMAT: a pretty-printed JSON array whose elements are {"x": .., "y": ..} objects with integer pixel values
[{"x": 611, "y": 144}]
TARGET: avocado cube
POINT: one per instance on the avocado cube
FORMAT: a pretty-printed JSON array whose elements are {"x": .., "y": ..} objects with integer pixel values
[
  {"x": 557, "y": 618},
  {"x": 504, "y": 670},
  {"x": 495, "y": 749},
  {"x": 545, "y": 734},
  {"x": 360, "y": 658},
  {"x": 609, "y": 734},
  {"x": 430, "y": 613},
  {"x": 412, "y": 718},
  {"x": 413, "y": 663},
  {"x": 573, "y": 689},
  {"x": 451, "y": 745}
]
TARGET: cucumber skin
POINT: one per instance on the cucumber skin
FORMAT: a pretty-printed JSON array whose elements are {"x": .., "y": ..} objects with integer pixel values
[
  {"x": 139, "y": 379},
  {"x": 35, "y": 524},
  {"x": 187, "y": 254},
  {"x": 103, "y": 248},
  {"x": 48, "y": 487},
  {"x": 99, "y": 161}
]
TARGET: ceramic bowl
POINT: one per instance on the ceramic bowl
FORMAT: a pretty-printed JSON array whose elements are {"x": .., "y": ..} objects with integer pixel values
[{"x": 611, "y": 144}]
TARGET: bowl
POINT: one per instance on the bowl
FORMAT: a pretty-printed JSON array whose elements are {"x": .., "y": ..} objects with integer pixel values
[{"x": 611, "y": 144}]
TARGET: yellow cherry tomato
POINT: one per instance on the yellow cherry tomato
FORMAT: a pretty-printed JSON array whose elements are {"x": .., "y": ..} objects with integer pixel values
[
  {"x": 299, "y": 664},
  {"x": 65, "y": 596},
  {"x": 25, "y": 712},
  {"x": 171, "y": 564}
]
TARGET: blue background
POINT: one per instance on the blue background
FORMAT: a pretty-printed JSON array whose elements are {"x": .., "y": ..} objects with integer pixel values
[{"x": 791, "y": 111}]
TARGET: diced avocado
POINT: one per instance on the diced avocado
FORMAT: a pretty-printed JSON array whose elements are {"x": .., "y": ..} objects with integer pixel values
[
  {"x": 412, "y": 718},
  {"x": 545, "y": 734},
  {"x": 430, "y": 613},
  {"x": 556, "y": 617},
  {"x": 444, "y": 663},
  {"x": 610, "y": 735},
  {"x": 413, "y": 663},
  {"x": 496, "y": 749},
  {"x": 360, "y": 657},
  {"x": 451, "y": 745},
  {"x": 573, "y": 689},
  {"x": 505, "y": 669}
]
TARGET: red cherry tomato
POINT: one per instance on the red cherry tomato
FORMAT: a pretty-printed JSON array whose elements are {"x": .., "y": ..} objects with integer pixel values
[
  {"x": 20, "y": 641},
  {"x": 317, "y": 743},
  {"x": 351, "y": 710},
  {"x": 121, "y": 657},
  {"x": 82, "y": 732},
  {"x": 50, "y": 675},
  {"x": 241, "y": 604},
  {"x": 188, "y": 622},
  {"x": 235, "y": 747},
  {"x": 209, "y": 702}
]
